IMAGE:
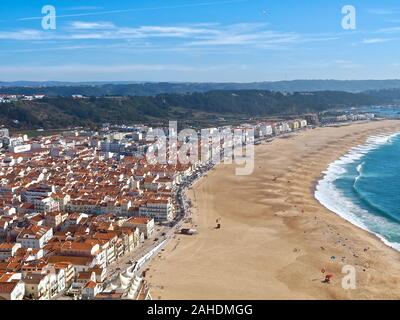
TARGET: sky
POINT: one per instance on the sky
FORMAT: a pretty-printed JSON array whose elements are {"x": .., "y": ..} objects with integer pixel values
[{"x": 199, "y": 40}]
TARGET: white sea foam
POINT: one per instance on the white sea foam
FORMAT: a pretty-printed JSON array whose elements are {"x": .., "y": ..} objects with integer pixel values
[
  {"x": 359, "y": 170},
  {"x": 333, "y": 199}
]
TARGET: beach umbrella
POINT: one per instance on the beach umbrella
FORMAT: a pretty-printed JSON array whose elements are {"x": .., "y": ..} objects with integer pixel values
[{"x": 328, "y": 277}]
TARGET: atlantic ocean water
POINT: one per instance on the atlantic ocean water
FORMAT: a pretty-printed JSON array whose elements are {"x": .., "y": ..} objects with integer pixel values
[{"x": 363, "y": 187}]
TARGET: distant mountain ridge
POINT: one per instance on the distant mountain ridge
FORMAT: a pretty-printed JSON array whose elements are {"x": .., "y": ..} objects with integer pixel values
[{"x": 126, "y": 88}]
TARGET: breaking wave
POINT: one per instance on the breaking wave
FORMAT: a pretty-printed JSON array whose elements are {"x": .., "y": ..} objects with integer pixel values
[{"x": 341, "y": 191}]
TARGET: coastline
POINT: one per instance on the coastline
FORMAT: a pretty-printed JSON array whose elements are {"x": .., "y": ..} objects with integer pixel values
[
  {"x": 275, "y": 236},
  {"x": 336, "y": 200}
]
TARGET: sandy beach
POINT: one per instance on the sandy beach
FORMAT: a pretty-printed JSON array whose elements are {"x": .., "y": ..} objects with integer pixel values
[{"x": 275, "y": 236}]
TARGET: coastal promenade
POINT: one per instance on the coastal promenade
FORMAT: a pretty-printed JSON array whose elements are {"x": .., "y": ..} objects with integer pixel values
[{"x": 276, "y": 240}]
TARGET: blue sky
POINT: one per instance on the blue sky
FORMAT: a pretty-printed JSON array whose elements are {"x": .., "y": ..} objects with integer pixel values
[{"x": 199, "y": 40}]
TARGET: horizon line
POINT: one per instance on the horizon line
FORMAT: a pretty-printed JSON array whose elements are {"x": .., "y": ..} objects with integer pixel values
[{"x": 194, "y": 82}]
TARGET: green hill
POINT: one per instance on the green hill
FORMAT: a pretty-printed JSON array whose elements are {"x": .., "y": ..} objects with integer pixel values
[{"x": 60, "y": 112}]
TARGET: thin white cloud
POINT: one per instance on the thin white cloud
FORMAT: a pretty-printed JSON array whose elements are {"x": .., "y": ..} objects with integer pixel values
[
  {"x": 389, "y": 30},
  {"x": 257, "y": 35},
  {"x": 82, "y": 25},
  {"x": 200, "y": 37},
  {"x": 53, "y": 48},
  {"x": 226, "y": 38},
  {"x": 383, "y": 11},
  {"x": 375, "y": 40},
  {"x": 181, "y": 31},
  {"x": 27, "y": 34},
  {"x": 107, "y": 31}
]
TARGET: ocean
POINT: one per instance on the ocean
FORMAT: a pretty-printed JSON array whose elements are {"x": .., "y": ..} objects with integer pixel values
[{"x": 363, "y": 187}]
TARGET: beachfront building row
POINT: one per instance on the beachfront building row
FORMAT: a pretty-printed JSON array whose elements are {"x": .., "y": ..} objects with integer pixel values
[
  {"x": 347, "y": 117},
  {"x": 269, "y": 129}
]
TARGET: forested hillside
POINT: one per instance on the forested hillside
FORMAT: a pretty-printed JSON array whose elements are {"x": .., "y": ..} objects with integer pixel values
[{"x": 58, "y": 112}]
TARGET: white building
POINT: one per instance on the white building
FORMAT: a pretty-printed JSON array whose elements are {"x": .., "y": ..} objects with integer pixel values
[
  {"x": 144, "y": 224},
  {"x": 13, "y": 290},
  {"x": 37, "y": 193},
  {"x": 159, "y": 209},
  {"x": 35, "y": 237},
  {"x": 4, "y": 132},
  {"x": 37, "y": 286},
  {"x": 46, "y": 205},
  {"x": 265, "y": 130},
  {"x": 20, "y": 148},
  {"x": 8, "y": 250}
]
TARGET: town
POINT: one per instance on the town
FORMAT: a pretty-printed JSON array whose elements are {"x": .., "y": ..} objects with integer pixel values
[
  {"x": 82, "y": 212},
  {"x": 7, "y": 98}
]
